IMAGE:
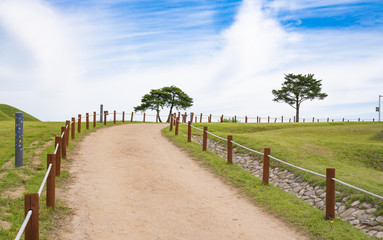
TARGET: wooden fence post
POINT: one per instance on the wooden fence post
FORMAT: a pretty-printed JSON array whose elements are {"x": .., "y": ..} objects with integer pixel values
[
  {"x": 222, "y": 118},
  {"x": 330, "y": 193},
  {"x": 191, "y": 117},
  {"x": 204, "y": 139},
  {"x": 177, "y": 125},
  {"x": 31, "y": 202},
  {"x": 73, "y": 127},
  {"x": 268, "y": 119},
  {"x": 87, "y": 121},
  {"x": 245, "y": 119},
  {"x": 200, "y": 118},
  {"x": 63, "y": 145},
  {"x": 123, "y": 116},
  {"x": 343, "y": 120},
  {"x": 94, "y": 119},
  {"x": 79, "y": 123},
  {"x": 275, "y": 120},
  {"x": 195, "y": 119},
  {"x": 67, "y": 123},
  {"x": 105, "y": 112},
  {"x": 114, "y": 117},
  {"x": 189, "y": 131},
  {"x": 51, "y": 181},
  {"x": 171, "y": 122},
  {"x": 58, "y": 155},
  {"x": 131, "y": 118},
  {"x": 210, "y": 118},
  {"x": 229, "y": 150},
  {"x": 266, "y": 166},
  {"x": 304, "y": 119},
  {"x": 358, "y": 119},
  {"x": 235, "y": 119},
  {"x": 144, "y": 116}
]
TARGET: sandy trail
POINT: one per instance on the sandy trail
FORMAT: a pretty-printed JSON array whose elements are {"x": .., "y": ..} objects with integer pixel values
[{"x": 130, "y": 182}]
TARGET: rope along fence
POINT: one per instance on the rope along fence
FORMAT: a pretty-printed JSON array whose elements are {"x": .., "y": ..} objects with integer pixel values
[
  {"x": 330, "y": 172},
  {"x": 30, "y": 225}
]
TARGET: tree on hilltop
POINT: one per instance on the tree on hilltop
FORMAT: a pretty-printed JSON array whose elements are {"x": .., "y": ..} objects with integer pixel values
[
  {"x": 157, "y": 99},
  {"x": 297, "y": 89}
]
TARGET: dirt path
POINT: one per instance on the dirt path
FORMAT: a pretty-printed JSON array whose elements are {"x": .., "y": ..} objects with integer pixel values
[{"x": 130, "y": 182}]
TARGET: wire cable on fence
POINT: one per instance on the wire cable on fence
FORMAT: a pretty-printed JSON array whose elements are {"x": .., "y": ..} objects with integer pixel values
[
  {"x": 291, "y": 165},
  {"x": 45, "y": 179},
  {"x": 197, "y": 128},
  {"x": 356, "y": 188},
  {"x": 57, "y": 147},
  {"x": 217, "y": 136},
  {"x": 249, "y": 149},
  {"x": 24, "y": 225}
]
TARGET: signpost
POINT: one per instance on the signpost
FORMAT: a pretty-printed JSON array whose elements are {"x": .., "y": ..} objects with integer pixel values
[{"x": 19, "y": 139}]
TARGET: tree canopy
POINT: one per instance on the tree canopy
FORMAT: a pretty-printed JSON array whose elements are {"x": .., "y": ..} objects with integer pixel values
[
  {"x": 171, "y": 97},
  {"x": 297, "y": 89}
]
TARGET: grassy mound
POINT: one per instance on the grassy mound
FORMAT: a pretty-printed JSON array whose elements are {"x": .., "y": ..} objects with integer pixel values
[{"x": 7, "y": 113}]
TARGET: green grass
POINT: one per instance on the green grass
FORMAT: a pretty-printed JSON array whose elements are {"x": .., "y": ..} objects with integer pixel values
[
  {"x": 295, "y": 212},
  {"x": 355, "y": 150},
  {"x": 36, "y": 137},
  {"x": 7, "y": 113}
]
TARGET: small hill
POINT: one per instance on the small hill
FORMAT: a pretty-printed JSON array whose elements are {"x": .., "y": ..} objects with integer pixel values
[{"x": 7, "y": 113}]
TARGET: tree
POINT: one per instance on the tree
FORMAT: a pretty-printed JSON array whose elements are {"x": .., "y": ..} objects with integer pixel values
[
  {"x": 171, "y": 97},
  {"x": 297, "y": 89},
  {"x": 155, "y": 101},
  {"x": 177, "y": 99}
]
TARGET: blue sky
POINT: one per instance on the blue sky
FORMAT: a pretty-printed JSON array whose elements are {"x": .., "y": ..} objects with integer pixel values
[{"x": 227, "y": 55}]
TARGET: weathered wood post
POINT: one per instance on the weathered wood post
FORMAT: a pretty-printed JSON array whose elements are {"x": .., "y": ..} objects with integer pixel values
[
  {"x": 268, "y": 119},
  {"x": 105, "y": 113},
  {"x": 51, "y": 181},
  {"x": 114, "y": 116},
  {"x": 245, "y": 119},
  {"x": 281, "y": 119},
  {"x": 195, "y": 119},
  {"x": 204, "y": 139},
  {"x": 171, "y": 122},
  {"x": 73, "y": 127},
  {"x": 229, "y": 150},
  {"x": 67, "y": 125},
  {"x": 31, "y": 202},
  {"x": 79, "y": 123},
  {"x": 200, "y": 118},
  {"x": 123, "y": 116},
  {"x": 235, "y": 118},
  {"x": 330, "y": 193},
  {"x": 191, "y": 117},
  {"x": 210, "y": 118},
  {"x": 94, "y": 119},
  {"x": 58, "y": 141},
  {"x": 266, "y": 166},
  {"x": 87, "y": 121},
  {"x": 177, "y": 125},
  {"x": 189, "y": 131},
  {"x": 63, "y": 145},
  {"x": 222, "y": 118},
  {"x": 131, "y": 118}
]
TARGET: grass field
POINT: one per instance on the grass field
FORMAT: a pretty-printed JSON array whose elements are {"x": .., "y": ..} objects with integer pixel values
[
  {"x": 355, "y": 150},
  {"x": 14, "y": 182},
  {"x": 286, "y": 206}
]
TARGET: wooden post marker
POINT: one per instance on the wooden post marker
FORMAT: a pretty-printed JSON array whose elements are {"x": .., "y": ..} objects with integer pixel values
[
  {"x": 144, "y": 116},
  {"x": 105, "y": 117},
  {"x": 31, "y": 202},
  {"x": 222, "y": 118},
  {"x": 94, "y": 119},
  {"x": 63, "y": 145},
  {"x": 189, "y": 131},
  {"x": 131, "y": 118},
  {"x": 200, "y": 118},
  {"x": 87, "y": 121},
  {"x": 268, "y": 119},
  {"x": 67, "y": 123},
  {"x": 73, "y": 127},
  {"x": 191, "y": 117},
  {"x": 245, "y": 119},
  {"x": 123, "y": 116},
  {"x": 281, "y": 119},
  {"x": 114, "y": 117},
  {"x": 204, "y": 139},
  {"x": 330, "y": 193},
  {"x": 79, "y": 123},
  {"x": 266, "y": 166},
  {"x": 177, "y": 124},
  {"x": 229, "y": 150},
  {"x": 58, "y": 155},
  {"x": 51, "y": 181},
  {"x": 171, "y": 122}
]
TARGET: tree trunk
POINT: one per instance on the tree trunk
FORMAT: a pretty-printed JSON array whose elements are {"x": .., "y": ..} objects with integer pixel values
[
  {"x": 297, "y": 112},
  {"x": 158, "y": 114},
  {"x": 170, "y": 113}
]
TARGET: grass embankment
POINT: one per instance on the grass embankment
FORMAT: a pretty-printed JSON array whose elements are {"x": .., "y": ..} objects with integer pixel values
[
  {"x": 7, "y": 113},
  {"x": 355, "y": 150},
  {"x": 38, "y": 142},
  {"x": 295, "y": 143}
]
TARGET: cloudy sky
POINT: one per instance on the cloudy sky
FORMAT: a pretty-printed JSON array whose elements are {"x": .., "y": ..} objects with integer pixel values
[{"x": 59, "y": 58}]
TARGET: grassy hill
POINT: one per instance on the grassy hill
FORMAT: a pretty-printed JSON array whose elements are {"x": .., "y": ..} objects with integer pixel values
[{"x": 7, "y": 113}]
